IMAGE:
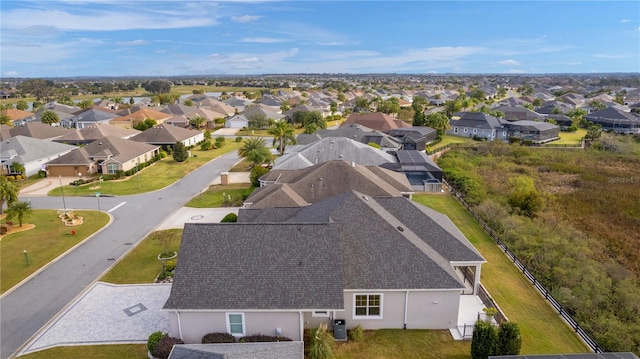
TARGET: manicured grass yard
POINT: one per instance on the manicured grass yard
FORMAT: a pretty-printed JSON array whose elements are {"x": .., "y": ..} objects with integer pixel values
[
  {"x": 132, "y": 351},
  {"x": 400, "y": 344},
  {"x": 141, "y": 264},
  {"x": 159, "y": 175},
  {"x": 447, "y": 139},
  {"x": 543, "y": 331},
  {"x": 571, "y": 138},
  {"x": 215, "y": 195},
  {"x": 49, "y": 239}
]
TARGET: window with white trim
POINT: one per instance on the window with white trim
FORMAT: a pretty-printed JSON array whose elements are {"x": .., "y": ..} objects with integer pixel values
[
  {"x": 320, "y": 313},
  {"x": 367, "y": 306},
  {"x": 112, "y": 168},
  {"x": 475, "y": 130},
  {"x": 465, "y": 130},
  {"x": 235, "y": 324},
  {"x": 455, "y": 129}
]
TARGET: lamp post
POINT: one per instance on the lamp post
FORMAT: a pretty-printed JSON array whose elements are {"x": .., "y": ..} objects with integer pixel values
[
  {"x": 138, "y": 173},
  {"x": 98, "y": 197},
  {"x": 26, "y": 257},
  {"x": 64, "y": 205},
  {"x": 78, "y": 182}
]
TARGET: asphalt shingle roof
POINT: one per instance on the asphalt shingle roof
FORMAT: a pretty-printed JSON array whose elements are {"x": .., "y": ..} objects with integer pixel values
[
  {"x": 276, "y": 350},
  {"x": 165, "y": 134}
]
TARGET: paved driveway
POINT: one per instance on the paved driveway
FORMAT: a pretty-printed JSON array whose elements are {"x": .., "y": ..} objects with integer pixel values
[{"x": 107, "y": 313}]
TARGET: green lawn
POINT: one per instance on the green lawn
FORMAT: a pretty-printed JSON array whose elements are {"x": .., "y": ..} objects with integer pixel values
[
  {"x": 155, "y": 177},
  {"x": 215, "y": 196},
  {"x": 116, "y": 351},
  {"x": 543, "y": 331},
  {"x": 400, "y": 344},
  {"x": 49, "y": 239},
  {"x": 141, "y": 264},
  {"x": 447, "y": 139},
  {"x": 571, "y": 138}
]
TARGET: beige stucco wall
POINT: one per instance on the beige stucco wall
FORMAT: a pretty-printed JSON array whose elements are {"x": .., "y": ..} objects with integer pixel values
[
  {"x": 426, "y": 310},
  {"x": 196, "y": 324}
]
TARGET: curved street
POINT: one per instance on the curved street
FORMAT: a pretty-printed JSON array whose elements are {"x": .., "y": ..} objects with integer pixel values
[{"x": 27, "y": 308}]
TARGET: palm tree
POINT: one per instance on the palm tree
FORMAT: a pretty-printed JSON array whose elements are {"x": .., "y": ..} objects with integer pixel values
[
  {"x": 254, "y": 150},
  {"x": 314, "y": 121},
  {"x": 49, "y": 117},
  {"x": 8, "y": 192},
  {"x": 5, "y": 120},
  {"x": 283, "y": 134},
  {"x": 19, "y": 210}
]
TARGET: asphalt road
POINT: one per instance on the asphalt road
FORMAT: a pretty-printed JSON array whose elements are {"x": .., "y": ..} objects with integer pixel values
[{"x": 28, "y": 308}]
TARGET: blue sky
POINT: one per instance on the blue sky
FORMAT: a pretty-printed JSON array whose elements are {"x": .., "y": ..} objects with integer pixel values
[{"x": 48, "y": 38}]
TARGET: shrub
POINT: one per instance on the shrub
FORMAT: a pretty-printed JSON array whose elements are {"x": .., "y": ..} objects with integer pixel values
[
  {"x": 162, "y": 153},
  {"x": 320, "y": 343},
  {"x": 256, "y": 173},
  {"x": 119, "y": 174},
  {"x": 213, "y": 338},
  {"x": 509, "y": 340},
  {"x": 170, "y": 265},
  {"x": 11, "y": 178},
  {"x": 356, "y": 334},
  {"x": 374, "y": 145},
  {"x": 231, "y": 217},
  {"x": 206, "y": 145},
  {"x": 179, "y": 152},
  {"x": 163, "y": 348},
  {"x": 483, "y": 342},
  {"x": 219, "y": 142},
  {"x": 239, "y": 139},
  {"x": 153, "y": 340},
  {"x": 259, "y": 338}
]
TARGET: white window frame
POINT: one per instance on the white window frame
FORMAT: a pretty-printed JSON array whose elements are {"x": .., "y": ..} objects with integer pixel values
[
  {"x": 355, "y": 316},
  {"x": 109, "y": 166},
  {"x": 244, "y": 329},
  {"x": 475, "y": 130},
  {"x": 455, "y": 129},
  {"x": 320, "y": 314},
  {"x": 465, "y": 130}
]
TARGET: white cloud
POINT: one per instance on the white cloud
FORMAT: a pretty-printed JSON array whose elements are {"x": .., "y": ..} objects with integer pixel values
[
  {"x": 11, "y": 74},
  {"x": 245, "y": 18},
  {"x": 574, "y": 63},
  {"x": 88, "y": 40},
  {"x": 625, "y": 20},
  {"x": 509, "y": 62},
  {"x": 609, "y": 56},
  {"x": 132, "y": 42},
  {"x": 263, "y": 40},
  {"x": 514, "y": 71},
  {"x": 160, "y": 51}
]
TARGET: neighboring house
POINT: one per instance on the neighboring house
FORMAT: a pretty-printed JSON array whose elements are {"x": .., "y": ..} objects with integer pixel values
[
  {"x": 133, "y": 119},
  {"x": 329, "y": 149},
  {"x": 375, "y": 120},
  {"x": 414, "y": 138},
  {"x": 302, "y": 187},
  {"x": 563, "y": 121},
  {"x": 167, "y": 136},
  {"x": 106, "y": 155},
  {"x": 18, "y": 117},
  {"x": 89, "y": 134},
  {"x": 612, "y": 119},
  {"x": 39, "y": 130},
  {"x": 422, "y": 173},
  {"x": 89, "y": 117},
  {"x": 276, "y": 350},
  {"x": 63, "y": 111},
  {"x": 515, "y": 113},
  {"x": 470, "y": 124},
  {"x": 377, "y": 262},
  {"x": 534, "y": 131},
  {"x": 354, "y": 132},
  {"x": 32, "y": 153},
  {"x": 243, "y": 118}
]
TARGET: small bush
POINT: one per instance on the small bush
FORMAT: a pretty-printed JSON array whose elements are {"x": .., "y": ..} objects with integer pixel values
[
  {"x": 170, "y": 265},
  {"x": 206, "y": 145},
  {"x": 164, "y": 346},
  {"x": 259, "y": 338},
  {"x": 153, "y": 340},
  {"x": 509, "y": 340},
  {"x": 239, "y": 139},
  {"x": 213, "y": 338},
  {"x": 320, "y": 343},
  {"x": 231, "y": 217},
  {"x": 356, "y": 334},
  {"x": 255, "y": 175},
  {"x": 11, "y": 178}
]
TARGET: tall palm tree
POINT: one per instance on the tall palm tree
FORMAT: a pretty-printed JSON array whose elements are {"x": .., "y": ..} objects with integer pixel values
[
  {"x": 49, "y": 117},
  {"x": 283, "y": 134},
  {"x": 8, "y": 192},
  {"x": 254, "y": 150},
  {"x": 20, "y": 210}
]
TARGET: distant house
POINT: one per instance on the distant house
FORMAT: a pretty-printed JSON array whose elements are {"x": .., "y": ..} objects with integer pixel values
[
  {"x": 133, "y": 119},
  {"x": 243, "y": 118},
  {"x": 354, "y": 132},
  {"x": 477, "y": 124},
  {"x": 401, "y": 268},
  {"x": 167, "y": 136},
  {"x": 375, "y": 120},
  {"x": 18, "y": 117},
  {"x": 515, "y": 113},
  {"x": 89, "y": 117},
  {"x": 106, "y": 155},
  {"x": 39, "y": 130},
  {"x": 89, "y": 134},
  {"x": 423, "y": 174},
  {"x": 414, "y": 138},
  {"x": 612, "y": 119},
  {"x": 32, "y": 153}
]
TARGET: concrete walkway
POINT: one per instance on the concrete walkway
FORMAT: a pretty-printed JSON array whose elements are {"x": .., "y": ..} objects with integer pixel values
[
  {"x": 42, "y": 187},
  {"x": 107, "y": 313}
]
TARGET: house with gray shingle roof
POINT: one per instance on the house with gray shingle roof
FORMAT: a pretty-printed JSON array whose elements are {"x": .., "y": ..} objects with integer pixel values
[
  {"x": 106, "y": 155},
  {"x": 243, "y": 118},
  {"x": 615, "y": 120},
  {"x": 354, "y": 132},
  {"x": 168, "y": 135},
  {"x": 377, "y": 262},
  {"x": 534, "y": 131},
  {"x": 89, "y": 134},
  {"x": 39, "y": 130},
  {"x": 32, "y": 153},
  {"x": 89, "y": 117},
  {"x": 470, "y": 124}
]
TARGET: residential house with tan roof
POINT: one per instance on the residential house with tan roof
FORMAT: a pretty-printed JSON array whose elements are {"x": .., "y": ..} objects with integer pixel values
[
  {"x": 106, "y": 155},
  {"x": 133, "y": 119},
  {"x": 39, "y": 130},
  {"x": 89, "y": 117},
  {"x": 243, "y": 118},
  {"x": 89, "y": 134},
  {"x": 375, "y": 120},
  {"x": 297, "y": 188},
  {"x": 167, "y": 135},
  {"x": 18, "y": 117}
]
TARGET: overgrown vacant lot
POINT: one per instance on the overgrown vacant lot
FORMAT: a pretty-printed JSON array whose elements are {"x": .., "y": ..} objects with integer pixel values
[{"x": 573, "y": 217}]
